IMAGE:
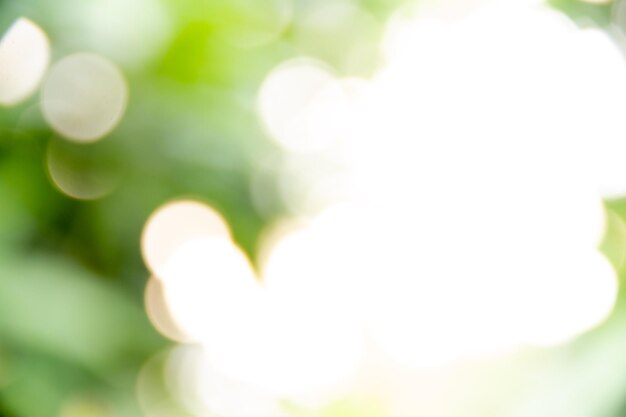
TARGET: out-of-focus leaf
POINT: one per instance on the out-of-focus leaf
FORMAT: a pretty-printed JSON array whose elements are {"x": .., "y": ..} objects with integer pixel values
[{"x": 49, "y": 304}]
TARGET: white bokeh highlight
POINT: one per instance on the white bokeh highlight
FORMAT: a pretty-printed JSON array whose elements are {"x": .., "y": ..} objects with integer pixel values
[
  {"x": 487, "y": 159},
  {"x": 286, "y": 103},
  {"x": 174, "y": 224},
  {"x": 24, "y": 60},
  {"x": 476, "y": 167},
  {"x": 84, "y": 97},
  {"x": 268, "y": 335}
]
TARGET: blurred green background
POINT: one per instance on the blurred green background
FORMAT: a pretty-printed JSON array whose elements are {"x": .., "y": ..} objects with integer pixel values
[{"x": 73, "y": 331}]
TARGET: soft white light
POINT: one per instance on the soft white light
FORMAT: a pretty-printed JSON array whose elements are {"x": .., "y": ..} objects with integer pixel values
[
  {"x": 277, "y": 340},
  {"x": 285, "y": 100},
  {"x": 328, "y": 262},
  {"x": 24, "y": 59},
  {"x": 482, "y": 179},
  {"x": 555, "y": 301},
  {"x": 477, "y": 220},
  {"x": 174, "y": 224},
  {"x": 84, "y": 97},
  {"x": 272, "y": 336},
  {"x": 313, "y": 352},
  {"x": 492, "y": 180},
  {"x": 211, "y": 289}
]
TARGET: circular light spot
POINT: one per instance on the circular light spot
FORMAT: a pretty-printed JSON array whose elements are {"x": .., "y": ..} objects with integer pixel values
[
  {"x": 24, "y": 59},
  {"x": 286, "y": 100},
  {"x": 80, "y": 176},
  {"x": 84, "y": 97},
  {"x": 175, "y": 224}
]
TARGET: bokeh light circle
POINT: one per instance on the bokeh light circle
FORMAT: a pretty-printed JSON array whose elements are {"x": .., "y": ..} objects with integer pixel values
[
  {"x": 174, "y": 224},
  {"x": 84, "y": 97},
  {"x": 24, "y": 59},
  {"x": 80, "y": 176}
]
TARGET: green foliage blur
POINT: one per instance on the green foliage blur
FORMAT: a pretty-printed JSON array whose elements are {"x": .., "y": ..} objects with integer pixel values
[
  {"x": 72, "y": 321},
  {"x": 72, "y": 324}
]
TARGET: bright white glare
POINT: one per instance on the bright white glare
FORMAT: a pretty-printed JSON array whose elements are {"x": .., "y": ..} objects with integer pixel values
[
  {"x": 478, "y": 173},
  {"x": 84, "y": 97},
  {"x": 304, "y": 354},
  {"x": 270, "y": 338},
  {"x": 322, "y": 264},
  {"x": 210, "y": 288},
  {"x": 554, "y": 301},
  {"x": 504, "y": 181},
  {"x": 486, "y": 158},
  {"x": 273, "y": 336},
  {"x": 292, "y": 353},
  {"x": 82, "y": 183},
  {"x": 581, "y": 118},
  {"x": 174, "y": 224},
  {"x": 24, "y": 59},
  {"x": 319, "y": 337}
]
